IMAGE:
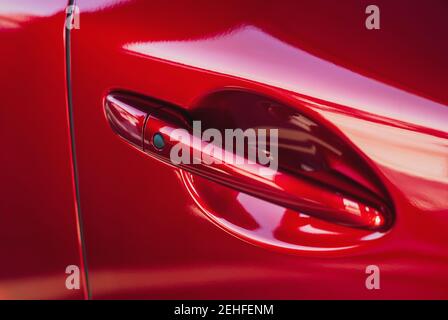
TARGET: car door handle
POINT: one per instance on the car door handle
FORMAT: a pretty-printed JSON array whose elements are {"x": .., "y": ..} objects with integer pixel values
[{"x": 156, "y": 128}]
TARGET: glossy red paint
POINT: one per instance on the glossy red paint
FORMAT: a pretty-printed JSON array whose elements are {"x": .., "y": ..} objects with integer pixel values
[
  {"x": 38, "y": 222},
  {"x": 146, "y": 232},
  {"x": 151, "y": 230}
]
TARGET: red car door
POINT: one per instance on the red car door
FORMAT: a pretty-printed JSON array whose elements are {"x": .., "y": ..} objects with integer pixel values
[
  {"x": 152, "y": 230},
  {"x": 39, "y": 229}
]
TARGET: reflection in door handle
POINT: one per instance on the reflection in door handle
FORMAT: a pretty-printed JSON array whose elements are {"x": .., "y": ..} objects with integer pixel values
[{"x": 153, "y": 127}]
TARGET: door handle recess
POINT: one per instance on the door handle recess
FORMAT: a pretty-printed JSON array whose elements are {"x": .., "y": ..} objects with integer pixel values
[{"x": 152, "y": 127}]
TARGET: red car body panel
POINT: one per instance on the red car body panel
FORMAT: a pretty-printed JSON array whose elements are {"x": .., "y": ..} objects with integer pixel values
[
  {"x": 38, "y": 220},
  {"x": 146, "y": 234}
]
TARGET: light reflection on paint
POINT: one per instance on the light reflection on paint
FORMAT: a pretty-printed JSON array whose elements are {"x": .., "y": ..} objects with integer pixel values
[
  {"x": 14, "y": 13},
  {"x": 242, "y": 51},
  {"x": 312, "y": 230}
]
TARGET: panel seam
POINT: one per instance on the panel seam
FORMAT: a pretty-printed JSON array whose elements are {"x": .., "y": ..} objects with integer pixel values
[{"x": 74, "y": 164}]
